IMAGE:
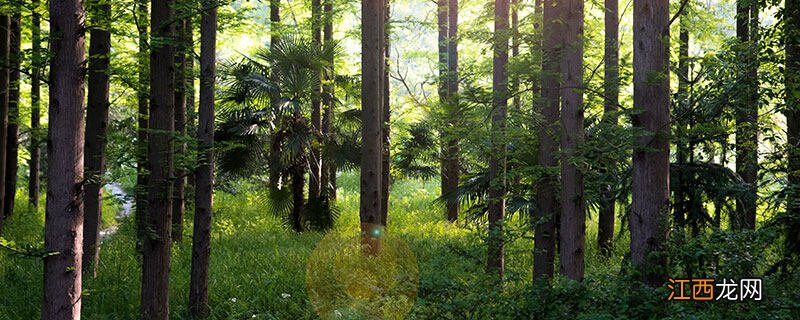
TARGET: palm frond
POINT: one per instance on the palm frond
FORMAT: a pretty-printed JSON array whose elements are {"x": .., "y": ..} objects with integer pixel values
[{"x": 278, "y": 202}]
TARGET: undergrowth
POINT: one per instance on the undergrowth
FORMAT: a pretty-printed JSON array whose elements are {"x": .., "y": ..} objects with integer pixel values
[{"x": 258, "y": 269}]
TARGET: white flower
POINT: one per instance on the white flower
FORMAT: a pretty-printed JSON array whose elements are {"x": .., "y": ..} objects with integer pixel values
[
  {"x": 286, "y": 295},
  {"x": 337, "y": 313},
  {"x": 233, "y": 300}
]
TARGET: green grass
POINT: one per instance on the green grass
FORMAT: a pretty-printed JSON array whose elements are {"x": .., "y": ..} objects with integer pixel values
[{"x": 258, "y": 269}]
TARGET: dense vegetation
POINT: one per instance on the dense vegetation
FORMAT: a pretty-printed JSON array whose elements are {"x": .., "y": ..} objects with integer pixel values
[
  {"x": 269, "y": 284},
  {"x": 337, "y": 159}
]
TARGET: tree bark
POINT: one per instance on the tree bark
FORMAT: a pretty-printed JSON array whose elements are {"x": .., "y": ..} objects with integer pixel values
[
  {"x": 683, "y": 148},
  {"x": 573, "y": 204},
  {"x": 275, "y": 22},
  {"x": 5, "y": 37},
  {"x": 650, "y": 200},
  {"x": 204, "y": 189},
  {"x": 606, "y": 215},
  {"x": 451, "y": 166},
  {"x": 298, "y": 185},
  {"x": 12, "y": 136},
  {"x": 373, "y": 63},
  {"x": 35, "y": 147},
  {"x": 792, "y": 79},
  {"x": 332, "y": 181},
  {"x": 546, "y": 194},
  {"x": 386, "y": 127},
  {"x": 96, "y": 128},
  {"x": 514, "y": 81},
  {"x": 442, "y": 18},
  {"x": 143, "y": 114},
  {"x": 315, "y": 159},
  {"x": 747, "y": 113},
  {"x": 497, "y": 161},
  {"x": 191, "y": 107},
  {"x": 443, "y": 26},
  {"x": 157, "y": 243},
  {"x": 328, "y": 169},
  {"x": 64, "y": 219},
  {"x": 181, "y": 70}
]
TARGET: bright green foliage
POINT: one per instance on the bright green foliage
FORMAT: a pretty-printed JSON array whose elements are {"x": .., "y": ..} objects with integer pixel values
[
  {"x": 264, "y": 126},
  {"x": 258, "y": 269}
]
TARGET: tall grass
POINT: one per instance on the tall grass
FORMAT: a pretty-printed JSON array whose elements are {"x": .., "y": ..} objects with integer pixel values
[{"x": 258, "y": 270}]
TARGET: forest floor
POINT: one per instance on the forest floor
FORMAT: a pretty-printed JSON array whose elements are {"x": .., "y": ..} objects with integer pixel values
[{"x": 258, "y": 269}]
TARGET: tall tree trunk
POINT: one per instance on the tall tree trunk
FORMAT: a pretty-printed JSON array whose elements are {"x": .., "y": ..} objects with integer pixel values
[
  {"x": 12, "y": 142},
  {"x": 451, "y": 166},
  {"x": 386, "y": 129},
  {"x": 275, "y": 37},
  {"x": 315, "y": 157},
  {"x": 204, "y": 189},
  {"x": 747, "y": 113},
  {"x": 275, "y": 22},
  {"x": 297, "y": 176},
  {"x": 328, "y": 169},
  {"x": 298, "y": 185},
  {"x": 181, "y": 71},
  {"x": 373, "y": 62},
  {"x": 606, "y": 215},
  {"x": 442, "y": 23},
  {"x": 683, "y": 148},
  {"x": 443, "y": 26},
  {"x": 650, "y": 200},
  {"x": 35, "y": 147},
  {"x": 332, "y": 170},
  {"x": 94, "y": 156},
  {"x": 5, "y": 37},
  {"x": 544, "y": 245},
  {"x": 157, "y": 243},
  {"x": 191, "y": 106},
  {"x": 497, "y": 160},
  {"x": 514, "y": 80},
  {"x": 442, "y": 14},
  {"x": 573, "y": 204},
  {"x": 143, "y": 100},
  {"x": 792, "y": 40},
  {"x": 63, "y": 226}
]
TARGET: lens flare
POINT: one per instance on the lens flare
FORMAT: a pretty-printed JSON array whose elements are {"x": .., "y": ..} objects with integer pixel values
[{"x": 344, "y": 283}]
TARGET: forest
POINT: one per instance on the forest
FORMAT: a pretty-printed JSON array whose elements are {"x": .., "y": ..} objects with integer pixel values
[{"x": 399, "y": 159}]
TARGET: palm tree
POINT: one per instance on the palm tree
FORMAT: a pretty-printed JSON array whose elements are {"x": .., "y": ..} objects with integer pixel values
[{"x": 261, "y": 132}]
